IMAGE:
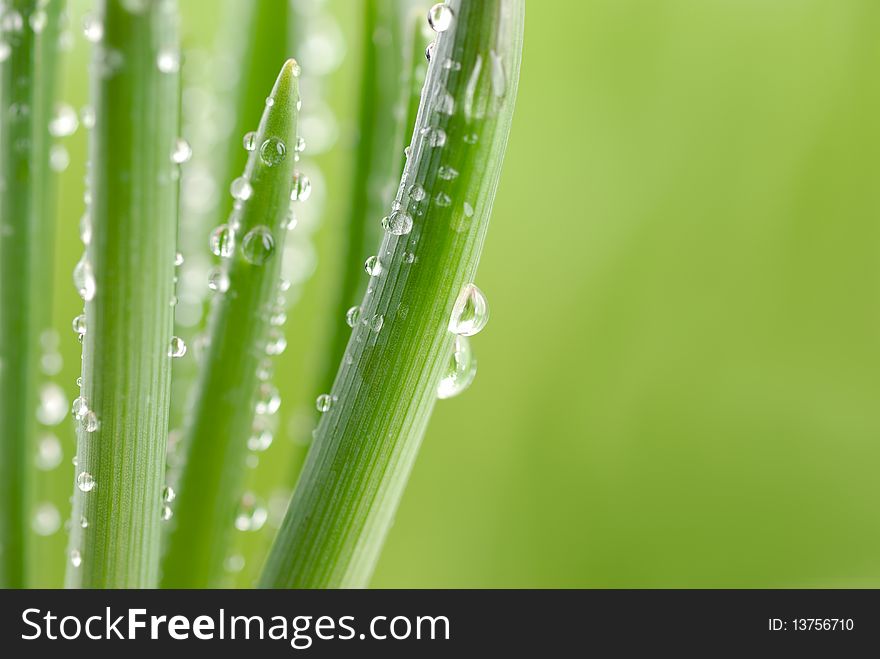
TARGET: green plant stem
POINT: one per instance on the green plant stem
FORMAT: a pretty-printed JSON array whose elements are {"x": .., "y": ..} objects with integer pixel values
[
  {"x": 385, "y": 389},
  {"x": 27, "y": 93},
  {"x": 126, "y": 363},
  {"x": 229, "y": 387}
]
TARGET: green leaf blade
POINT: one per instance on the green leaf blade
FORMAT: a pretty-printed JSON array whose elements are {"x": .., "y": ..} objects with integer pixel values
[{"x": 385, "y": 389}]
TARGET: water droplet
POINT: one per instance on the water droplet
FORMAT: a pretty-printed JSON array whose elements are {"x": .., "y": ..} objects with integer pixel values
[
  {"x": 429, "y": 51},
  {"x": 276, "y": 342},
  {"x": 181, "y": 152},
  {"x": 460, "y": 371},
  {"x": 470, "y": 313},
  {"x": 398, "y": 223},
  {"x": 85, "y": 482},
  {"x": 324, "y": 402},
  {"x": 447, "y": 173},
  {"x": 471, "y": 138},
  {"x": 260, "y": 439},
  {"x": 434, "y": 136},
  {"x": 177, "y": 348},
  {"x": 49, "y": 452},
  {"x": 250, "y": 141},
  {"x": 440, "y": 17},
  {"x": 178, "y": 260},
  {"x": 84, "y": 279},
  {"x": 79, "y": 408},
  {"x": 300, "y": 145},
  {"x": 373, "y": 266},
  {"x": 75, "y": 558},
  {"x": 168, "y": 494},
  {"x": 270, "y": 101},
  {"x": 258, "y": 245},
  {"x": 442, "y": 199},
  {"x": 352, "y": 316},
  {"x": 445, "y": 102},
  {"x": 272, "y": 151},
  {"x": 168, "y": 61},
  {"x": 218, "y": 280},
  {"x": 90, "y": 422},
  {"x": 166, "y": 513},
  {"x": 416, "y": 192},
  {"x": 79, "y": 324},
  {"x": 53, "y": 405},
  {"x": 302, "y": 187},
  {"x": 222, "y": 241},
  {"x": 83, "y": 522},
  {"x": 47, "y": 519},
  {"x": 268, "y": 399},
  {"x": 93, "y": 28},
  {"x": 5, "y": 51},
  {"x": 64, "y": 122},
  {"x": 376, "y": 322},
  {"x": 251, "y": 513},
  {"x": 408, "y": 257},
  {"x": 38, "y": 21},
  {"x": 241, "y": 189}
]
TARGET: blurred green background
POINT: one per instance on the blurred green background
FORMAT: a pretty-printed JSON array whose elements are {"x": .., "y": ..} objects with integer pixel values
[{"x": 679, "y": 385}]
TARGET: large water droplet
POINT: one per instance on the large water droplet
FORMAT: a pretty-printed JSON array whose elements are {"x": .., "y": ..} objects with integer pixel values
[
  {"x": 249, "y": 141},
  {"x": 416, "y": 192},
  {"x": 324, "y": 402},
  {"x": 258, "y": 245},
  {"x": 440, "y": 17},
  {"x": 470, "y": 313},
  {"x": 85, "y": 482},
  {"x": 398, "y": 223},
  {"x": 373, "y": 266},
  {"x": 79, "y": 324},
  {"x": 75, "y": 558},
  {"x": 251, "y": 513},
  {"x": 168, "y": 494},
  {"x": 222, "y": 241},
  {"x": 460, "y": 370},
  {"x": 177, "y": 348},
  {"x": 181, "y": 152},
  {"x": 302, "y": 187},
  {"x": 84, "y": 279},
  {"x": 272, "y": 151},
  {"x": 241, "y": 189}
]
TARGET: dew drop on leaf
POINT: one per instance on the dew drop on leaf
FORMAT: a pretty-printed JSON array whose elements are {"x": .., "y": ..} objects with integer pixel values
[
  {"x": 258, "y": 245},
  {"x": 440, "y": 17},
  {"x": 85, "y": 482},
  {"x": 177, "y": 348},
  {"x": 324, "y": 402},
  {"x": 373, "y": 266},
  {"x": 460, "y": 370},
  {"x": 181, "y": 152},
  {"x": 241, "y": 189},
  {"x": 272, "y": 151},
  {"x": 352, "y": 316},
  {"x": 398, "y": 223},
  {"x": 250, "y": 141},
  {"x": 222, "y": 241},
  {"x": 470, "y": 313}
]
